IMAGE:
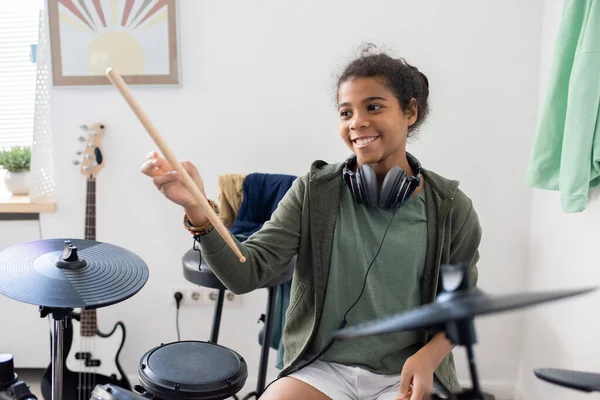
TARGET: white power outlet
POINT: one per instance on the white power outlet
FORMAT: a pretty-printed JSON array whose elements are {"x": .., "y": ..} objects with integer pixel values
[
  {"x": 231, "y": 300},
  {"x": 194, "y": 296}
]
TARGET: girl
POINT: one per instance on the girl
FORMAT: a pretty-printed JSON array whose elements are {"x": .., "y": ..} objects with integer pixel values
[{"x": 370, "y": 235}]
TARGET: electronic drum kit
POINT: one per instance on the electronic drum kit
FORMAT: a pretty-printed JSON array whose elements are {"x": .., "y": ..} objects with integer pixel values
[{"x": 59, "y": 275}]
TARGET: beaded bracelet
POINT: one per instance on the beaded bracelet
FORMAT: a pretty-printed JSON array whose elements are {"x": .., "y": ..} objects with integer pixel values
[{"x": 204, "y": 229}]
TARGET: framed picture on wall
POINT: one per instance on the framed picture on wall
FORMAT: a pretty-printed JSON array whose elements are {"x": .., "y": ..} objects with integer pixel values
[{"x": 138, "y": 38}]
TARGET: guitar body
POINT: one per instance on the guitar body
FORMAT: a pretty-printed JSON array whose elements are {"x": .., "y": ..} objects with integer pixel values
[{"x": 82, "y": 370}]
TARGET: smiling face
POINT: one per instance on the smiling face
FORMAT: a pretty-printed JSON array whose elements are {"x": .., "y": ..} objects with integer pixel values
[{"x": 372, "y": 123}]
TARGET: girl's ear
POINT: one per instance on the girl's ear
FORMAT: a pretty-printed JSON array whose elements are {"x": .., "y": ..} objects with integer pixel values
[{"x": 412, "y": 111}]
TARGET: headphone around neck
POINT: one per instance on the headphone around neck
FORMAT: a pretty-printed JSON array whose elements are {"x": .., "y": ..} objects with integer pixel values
[{"x": 396, "y": 189}]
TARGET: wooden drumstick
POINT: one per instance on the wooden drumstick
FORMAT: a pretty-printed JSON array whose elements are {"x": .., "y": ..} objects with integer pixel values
[{"x": 120, "y": 84}]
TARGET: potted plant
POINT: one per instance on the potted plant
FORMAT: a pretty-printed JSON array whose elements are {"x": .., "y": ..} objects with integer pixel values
[{"x": 16, "y": 161}]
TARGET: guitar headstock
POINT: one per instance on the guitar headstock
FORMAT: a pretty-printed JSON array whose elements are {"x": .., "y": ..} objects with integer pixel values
[{"x": 92, "y": 160}]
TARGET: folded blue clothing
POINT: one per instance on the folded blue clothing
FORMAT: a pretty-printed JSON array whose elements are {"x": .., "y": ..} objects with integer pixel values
[{"x": 261, "y": 195}]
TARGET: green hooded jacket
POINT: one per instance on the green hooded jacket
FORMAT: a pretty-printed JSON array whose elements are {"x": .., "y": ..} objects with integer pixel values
[{"x": 303, "y": 224}]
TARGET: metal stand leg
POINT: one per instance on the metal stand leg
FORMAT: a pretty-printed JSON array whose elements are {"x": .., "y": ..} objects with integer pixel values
[
  {"x": 264, "y": 352},
  {"x": 57, "y": 359},
  {"x": 59, "y": 315},
  {"x": 266, "y": 344},
  {"x": 214, "y": 335}
]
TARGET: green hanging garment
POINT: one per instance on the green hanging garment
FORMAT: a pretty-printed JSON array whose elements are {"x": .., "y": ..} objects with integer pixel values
[{"x": 566, "y": 147}]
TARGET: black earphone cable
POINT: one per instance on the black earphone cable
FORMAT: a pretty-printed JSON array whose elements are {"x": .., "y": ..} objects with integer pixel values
[{"x": 344, "y": 321}]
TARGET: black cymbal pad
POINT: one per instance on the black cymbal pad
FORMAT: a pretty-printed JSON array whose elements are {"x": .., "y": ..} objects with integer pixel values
[
  {"x": 454, "y": 307},
  {"x": 579, "y": 380},
  {"x": 70, "y": 273}
]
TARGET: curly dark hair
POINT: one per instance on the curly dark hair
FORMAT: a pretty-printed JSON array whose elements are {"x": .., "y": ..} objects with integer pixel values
[{"x": 403, "y": 79}]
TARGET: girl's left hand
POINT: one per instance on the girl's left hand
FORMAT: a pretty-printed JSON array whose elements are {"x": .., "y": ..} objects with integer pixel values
[{"x": 416, "y": 379}]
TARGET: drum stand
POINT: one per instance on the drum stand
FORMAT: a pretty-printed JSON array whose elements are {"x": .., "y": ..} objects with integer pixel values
[
  {"x": 60, "y": 317},
  {"x": 462, "y": 333}
]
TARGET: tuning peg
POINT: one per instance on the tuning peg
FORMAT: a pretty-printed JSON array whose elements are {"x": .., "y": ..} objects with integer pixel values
[
  {"x": 79, "y": 152},
  {"x": 84, "y": 127},
  {"x": 76, "y": 162},
  {"x": 81, "y": 139},
  {"x": 94, "y": 133}
]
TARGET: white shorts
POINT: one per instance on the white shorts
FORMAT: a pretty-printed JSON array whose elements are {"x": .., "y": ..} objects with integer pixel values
[{"x": 342, "y": 382}]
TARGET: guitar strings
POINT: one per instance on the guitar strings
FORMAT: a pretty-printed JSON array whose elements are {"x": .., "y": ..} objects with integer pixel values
[
  {"x": 93, "y": 321},
  {"x": 78, "y": 373},
  {"x": 86, "y": 375},
  {"x": 84, "y": 352},
  {"x": 88, "y": 235},
  {"x": 89, "y": 363},
  {"x": 94, "y": 367},
  {"x": 79, "y": 370},
  {"x": 85, "y": 365}
]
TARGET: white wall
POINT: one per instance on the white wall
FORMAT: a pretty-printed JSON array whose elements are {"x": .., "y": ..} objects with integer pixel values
[
  {"x": 562, "y": 254},
  {"x": 21, "y": 322},
  {"x": 258, "y": 96}
]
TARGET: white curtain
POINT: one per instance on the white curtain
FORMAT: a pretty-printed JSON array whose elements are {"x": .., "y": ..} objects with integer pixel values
[{"x": 42, "y": 161}]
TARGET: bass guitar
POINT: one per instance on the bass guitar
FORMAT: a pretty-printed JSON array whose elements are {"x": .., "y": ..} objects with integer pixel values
[{"x": 89, "y": 361}]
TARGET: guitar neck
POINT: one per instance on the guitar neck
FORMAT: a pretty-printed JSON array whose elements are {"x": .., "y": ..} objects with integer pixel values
[
  {"x": 89, "y": 319},
  {"x": 90, "y": 210},
  {"x": 88, "y": 325}
]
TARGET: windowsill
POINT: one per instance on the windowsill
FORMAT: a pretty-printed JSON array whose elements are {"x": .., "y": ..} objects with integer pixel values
[{"x": 12, "y": 204}]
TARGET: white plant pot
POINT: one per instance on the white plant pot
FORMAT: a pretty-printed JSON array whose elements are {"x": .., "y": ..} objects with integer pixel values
[{"x": 17, "y": 182}]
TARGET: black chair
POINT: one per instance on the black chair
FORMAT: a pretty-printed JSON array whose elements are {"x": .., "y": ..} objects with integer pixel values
[{"x": 197, "y": 271}]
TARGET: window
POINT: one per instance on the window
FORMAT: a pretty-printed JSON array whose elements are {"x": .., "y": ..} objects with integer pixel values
[{"x": 19, "y": 28}]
